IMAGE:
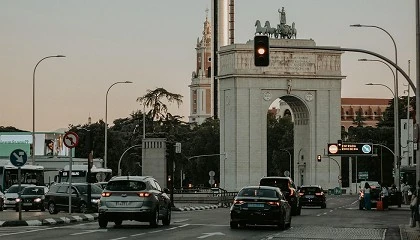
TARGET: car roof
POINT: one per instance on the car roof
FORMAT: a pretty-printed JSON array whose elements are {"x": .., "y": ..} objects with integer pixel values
[
  {"x": 276, "y": 177},
  {"x": 304, "y": 186},
  {"x": 138, "y": 178},
  {"x": 261, "y": 187}
]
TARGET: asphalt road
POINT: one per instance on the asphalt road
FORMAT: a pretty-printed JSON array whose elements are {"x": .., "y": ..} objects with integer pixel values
[{"x": 340, "y": 220}]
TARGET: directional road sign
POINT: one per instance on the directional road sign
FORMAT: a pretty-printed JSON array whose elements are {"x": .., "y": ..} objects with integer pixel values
[
  {"x": 350, "y": 149},
  {"x": 71, "y": 139},
  {"x": 18, "y": 157}
]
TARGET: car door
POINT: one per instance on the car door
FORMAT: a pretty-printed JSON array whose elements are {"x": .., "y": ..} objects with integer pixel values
[
  {"x": 164, "y": 200},
  {"x": 61, "y": 197}
]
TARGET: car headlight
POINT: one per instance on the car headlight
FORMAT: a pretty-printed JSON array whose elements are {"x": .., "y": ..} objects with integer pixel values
[{"x": 37, "y": 200}]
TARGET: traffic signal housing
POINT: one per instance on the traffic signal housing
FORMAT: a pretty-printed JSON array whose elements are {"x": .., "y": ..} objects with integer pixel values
[
  {"x": 261, "y": 51},
  {"x": 318, "y": 158}
]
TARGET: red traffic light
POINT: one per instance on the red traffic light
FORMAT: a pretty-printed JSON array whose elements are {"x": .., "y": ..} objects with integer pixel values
[
  {"x": 319, "y": 157},
  {"x": 261, "y": 51}
]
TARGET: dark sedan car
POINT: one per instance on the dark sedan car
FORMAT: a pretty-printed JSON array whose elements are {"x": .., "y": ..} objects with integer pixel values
[
  {"x": 312, "y": 195},
  {"x": 32, "y": 198},
  {"x": 57, "y": 198},
  {"x": 261, "y": 205}
]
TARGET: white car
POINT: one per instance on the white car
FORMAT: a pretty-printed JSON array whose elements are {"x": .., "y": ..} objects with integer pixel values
[{"x": 12, "y": 193}]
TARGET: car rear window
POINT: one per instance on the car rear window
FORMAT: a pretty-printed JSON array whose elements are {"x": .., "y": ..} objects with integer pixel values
[
  {"x": 125, "y": 185},
  {"x": 310, "y": 190},
  {"x": 257, "y": 192},
  {"x": 283, "y": 184},
  {"x": 32, "y": 191}
]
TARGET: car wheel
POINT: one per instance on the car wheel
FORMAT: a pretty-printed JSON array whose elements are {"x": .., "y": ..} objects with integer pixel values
[
  {"x": 233, "y": 225},
  {"x": 288, "y": 225},
  {"x": 52, "y": 208},
  {"x": 324, "y": 205},
  {"x": 26, "y": 210},
  {"x": 118, "y": 223},
  {"x": 154, "y": 219},
  {"x": 299, "y": 210},
  {"x": 1, "y": 208},
  {"x": 282, "y": 224},
  {"x": 242, "y": 224},
  {"x": 17, "y": 209},
  {"x": 42, "y": 208},
  {"x": 83, "y": 207},
  {"x": 103, "y": 222},
  {"x": 167, "y": 220}
]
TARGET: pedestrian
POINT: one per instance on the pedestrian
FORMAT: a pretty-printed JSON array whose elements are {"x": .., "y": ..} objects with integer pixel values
[
  {"x": 414, "y": 206},
  {"x": 404, "y": 189},
  {"x": 384, "y": 194},
  {"x": 366, "y": 193}
]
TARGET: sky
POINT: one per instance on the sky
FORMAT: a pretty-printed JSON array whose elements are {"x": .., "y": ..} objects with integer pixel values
[{"x": 152, "y": 44}]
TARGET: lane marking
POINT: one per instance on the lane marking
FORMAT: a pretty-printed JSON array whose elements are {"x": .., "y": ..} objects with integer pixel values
[
  {"x": 139, "y": 234},
  {"x": 88, "y": 231},
  {"x": 182, "y": 220},
  {"x": 118, "y": 238},
  {"x": 156, "y": 231}
]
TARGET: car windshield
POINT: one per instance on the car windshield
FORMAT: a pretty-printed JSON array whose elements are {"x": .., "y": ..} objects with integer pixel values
[
  {"x": 257, "y": 192},
  {"x": 94, "y": 189},
  {"x": 33, "y": 191},
  {"x": 125, "y": 185},
  {"x": 15, "y": 189},
  {"x": 310, "y": 190},
  {"x": 283, "y": 184}
]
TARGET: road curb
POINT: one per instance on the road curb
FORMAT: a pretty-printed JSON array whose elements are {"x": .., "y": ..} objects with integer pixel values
[{"x": 51, "y": 221}]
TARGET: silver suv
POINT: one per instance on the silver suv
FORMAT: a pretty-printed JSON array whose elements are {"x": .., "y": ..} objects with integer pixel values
[{"x": 138, "y": 198}]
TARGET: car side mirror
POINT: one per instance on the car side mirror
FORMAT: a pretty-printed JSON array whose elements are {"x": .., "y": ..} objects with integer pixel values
[{"x": 166, "y": 190}]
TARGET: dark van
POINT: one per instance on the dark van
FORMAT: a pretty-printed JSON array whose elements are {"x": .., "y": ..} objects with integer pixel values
[{"x": 288, "y": 188}]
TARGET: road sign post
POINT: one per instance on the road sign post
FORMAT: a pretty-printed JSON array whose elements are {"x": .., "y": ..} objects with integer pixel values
[
  {"x": 18, "y": 158},
  {"x": 71, "y": 140}
]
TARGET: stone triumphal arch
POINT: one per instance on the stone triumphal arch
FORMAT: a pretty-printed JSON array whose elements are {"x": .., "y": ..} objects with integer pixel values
[{"x": 309, "y": 81}]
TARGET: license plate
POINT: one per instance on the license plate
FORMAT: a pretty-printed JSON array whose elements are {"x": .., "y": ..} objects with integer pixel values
[
  {"x": 27, "y": 204},
  {"x": 122, "y": 203},
  {"x": 255, "y": 205},
  {"x": 309, "y": 196}
]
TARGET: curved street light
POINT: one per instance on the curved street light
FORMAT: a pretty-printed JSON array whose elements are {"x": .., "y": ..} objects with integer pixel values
[
  {"x": 396, "y": 124},
  {"x": 122, "y": 155},
  {"x": 106, "y": 122},
  {"x": 33, "y": 104}
]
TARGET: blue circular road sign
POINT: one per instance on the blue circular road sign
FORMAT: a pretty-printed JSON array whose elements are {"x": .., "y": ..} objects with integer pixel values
[
  {"x": 366, "y": 148},
  {"x": 18, "y": 157}
]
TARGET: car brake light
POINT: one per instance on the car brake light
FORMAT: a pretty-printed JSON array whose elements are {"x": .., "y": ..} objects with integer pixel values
[
  {"x": 273, "y": 203},
  {"x": 143, "y": 194},
  {"x": 18, "y": 200},
  {"x": 106, "y": 194},
  {"x": 238, "y": 202},
  {"x": 319, "y": 193},
  {"x": 301, "y": 194}
]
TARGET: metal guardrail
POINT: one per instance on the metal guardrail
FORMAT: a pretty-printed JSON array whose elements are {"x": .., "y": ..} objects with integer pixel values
[{"x": 222, "y": 196}]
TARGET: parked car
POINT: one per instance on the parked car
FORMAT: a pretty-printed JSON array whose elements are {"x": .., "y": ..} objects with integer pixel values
[
  {"x": 312, "y": 195},
  {"x": 32, "y": 198},
  {"x": 288, "y": 188},
  {"x": 57, "y": 198},
  {"x": 2, "y": 199},
  {"x": 260, "y": 205},
  {"x": 12, "y": 193},
  {"x": 138, "y": 198},
  {"x": 375, "y": 194}
]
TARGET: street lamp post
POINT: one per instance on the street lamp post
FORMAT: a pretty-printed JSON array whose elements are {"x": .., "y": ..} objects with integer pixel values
[
  {"x": 290, "y": 160},
  {"x": 33, "y": 105},
  {"x": 396, "y": 127},
  {"x": 397, "y": 177},
  {"x": 106, "y": 122}
]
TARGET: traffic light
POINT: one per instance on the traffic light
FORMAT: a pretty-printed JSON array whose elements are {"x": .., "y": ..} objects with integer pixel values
[
  {"x": 339, "y": 143},
  {"x": 318, "y": 157},
  {"x": 261, "y": 51}
]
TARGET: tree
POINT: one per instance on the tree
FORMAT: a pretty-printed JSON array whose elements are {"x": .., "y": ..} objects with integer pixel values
[
  {"x": 153, "y": 99},
  {"x": 359, "y": 119}
]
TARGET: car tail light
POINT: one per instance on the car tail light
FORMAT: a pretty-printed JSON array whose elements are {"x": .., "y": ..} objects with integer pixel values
[
  {"x": 143, "y": 194},
  {"x": 319, "y": 193},
  {"x": 18, "y": 200},
  {"x": 301, "y": 194},
  {"x": 238, "y": 202},
  {"x": 106, "y": 194},
  {"x": 273, "y": 203}
]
